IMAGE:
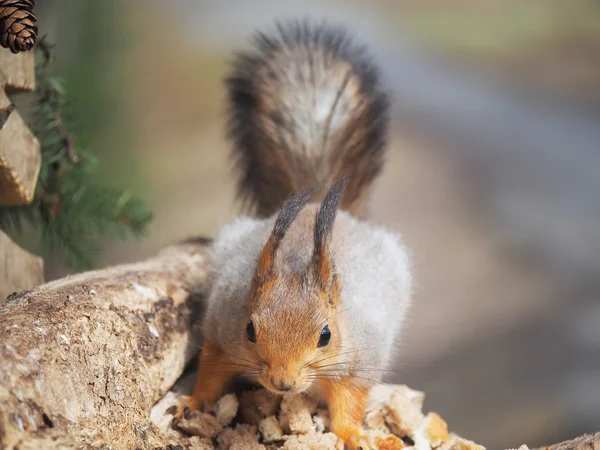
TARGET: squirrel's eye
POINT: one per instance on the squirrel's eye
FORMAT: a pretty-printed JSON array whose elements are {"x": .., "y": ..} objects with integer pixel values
[
  {"x": 325, "y": 337},
  {"x": 250, "y": 333}
]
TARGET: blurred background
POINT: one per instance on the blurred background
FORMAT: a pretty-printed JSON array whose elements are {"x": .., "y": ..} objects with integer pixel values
[{"x": 493, "y": 176}]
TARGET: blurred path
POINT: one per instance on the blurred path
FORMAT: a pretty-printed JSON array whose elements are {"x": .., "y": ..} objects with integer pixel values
[{"x": 534, "y": 159}]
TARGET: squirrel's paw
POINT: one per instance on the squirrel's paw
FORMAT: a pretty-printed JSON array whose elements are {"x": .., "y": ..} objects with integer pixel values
[
  {"x": 188, "y": 404},
  {"x": 357, "y": 443},
  {"x": 184, "y": 405}
]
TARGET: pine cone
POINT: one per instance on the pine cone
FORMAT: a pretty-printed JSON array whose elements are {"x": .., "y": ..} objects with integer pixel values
[{"x": 18, "y": 31}]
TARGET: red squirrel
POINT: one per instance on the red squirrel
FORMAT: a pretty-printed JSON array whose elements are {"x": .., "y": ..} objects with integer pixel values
[{"x": 308, "y": 296}]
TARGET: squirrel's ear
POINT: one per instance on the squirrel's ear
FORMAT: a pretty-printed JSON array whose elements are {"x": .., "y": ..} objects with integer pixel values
[
  {"x": 288, "y": 213},
  {"x": 322, "y": 261}
]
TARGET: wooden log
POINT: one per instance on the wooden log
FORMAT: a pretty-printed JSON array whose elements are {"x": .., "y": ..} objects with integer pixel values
[
  {"x": 5, "y": 112},
  {"x": 585, "y": 442},
  {"x": 17, "y": 71},
  {"x": 19, "y": 270},
  {"x": 85, "y": 358}
]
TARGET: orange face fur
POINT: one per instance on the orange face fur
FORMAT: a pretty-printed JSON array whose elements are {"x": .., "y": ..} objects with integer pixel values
[
  {"x": 288, "y": 314},
  {"x": 293, "y": 330}
]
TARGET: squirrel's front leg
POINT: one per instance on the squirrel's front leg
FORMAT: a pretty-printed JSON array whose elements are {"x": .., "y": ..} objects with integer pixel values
[
  {"x": 347, "y": 401},
  {"x": 216, "y": 368}
]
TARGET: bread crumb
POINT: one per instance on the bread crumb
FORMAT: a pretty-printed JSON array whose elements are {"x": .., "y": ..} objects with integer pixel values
[
  {"x": 381, "y": 393},
  {"x": 270, "y": 429},
  {"x": 295, "y": 414},
  {"x": 313, "y": 441},
  {"x": 373, "y": 437},
  {"x": 267, "y": 403},
  {"x": 255, "y": 406},
  {"x": 455, "y": 442},
  {"x": 301, "y": 422},
  {"x": 401, "y": 414},
  {"x": 242, "y": 433},
  {"x": 198, "y": 443},
  {"x": 420, "y": 442},
  {"x": 374, "y": 420},
  {"x": 435, "y": 429},
  {"x": 224, "y": 439},
  {"x": 226, "y": 409},
  {"x": 249, "y": 412},
  {"x": 321, "y": 420},
  {"x": 246, "y": 443},
  {"x": 295, "y": 423},
  {"x": 200, "y": 424},
  {"x": 390, "y": 442}
]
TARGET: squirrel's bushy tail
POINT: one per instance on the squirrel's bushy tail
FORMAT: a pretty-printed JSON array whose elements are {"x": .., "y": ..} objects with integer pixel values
[{"x": 306, "y": 107}]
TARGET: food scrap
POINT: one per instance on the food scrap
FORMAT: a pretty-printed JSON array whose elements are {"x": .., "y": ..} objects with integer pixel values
[{"x": 258, "y": 420}]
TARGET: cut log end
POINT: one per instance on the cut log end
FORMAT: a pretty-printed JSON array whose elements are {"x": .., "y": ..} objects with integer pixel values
[{"x": 20, "y": 159}]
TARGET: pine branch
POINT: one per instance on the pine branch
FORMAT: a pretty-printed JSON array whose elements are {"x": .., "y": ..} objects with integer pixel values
[{"x": 71, "y": 212}]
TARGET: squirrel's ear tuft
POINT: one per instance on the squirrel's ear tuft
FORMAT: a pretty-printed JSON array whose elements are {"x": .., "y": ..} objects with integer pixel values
[
  {"x": 287, "y": 215},
  {"x": 322, "y": 263}
]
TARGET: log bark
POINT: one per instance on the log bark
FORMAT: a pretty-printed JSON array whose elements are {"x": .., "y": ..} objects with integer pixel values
[{"x": 84, "y": 358}]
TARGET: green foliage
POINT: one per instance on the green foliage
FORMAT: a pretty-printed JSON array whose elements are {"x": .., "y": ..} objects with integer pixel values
[{"x": 73, "y": 209}]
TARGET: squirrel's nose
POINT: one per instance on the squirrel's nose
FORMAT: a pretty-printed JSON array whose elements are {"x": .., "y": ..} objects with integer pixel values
[{"x": 282, "y": 385}]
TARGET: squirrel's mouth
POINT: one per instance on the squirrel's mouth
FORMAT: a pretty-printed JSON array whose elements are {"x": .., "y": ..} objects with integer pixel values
[
  {"x": 295, "y": 388},
  {"x": 279, "y": 391}
]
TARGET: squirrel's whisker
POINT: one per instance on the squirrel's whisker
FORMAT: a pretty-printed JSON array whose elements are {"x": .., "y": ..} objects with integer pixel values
[{"x": 313, "y": 363}]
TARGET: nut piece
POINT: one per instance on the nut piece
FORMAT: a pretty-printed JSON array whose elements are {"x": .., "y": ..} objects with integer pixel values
[
  {"x": 226, "y": 409},
  {"x": 435, "y": 429},
  {"x": 270, "y": 429},
  {"x": 313, "y": 441},
  {"x": 200, "y": 424}
]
